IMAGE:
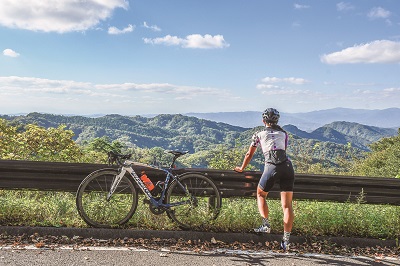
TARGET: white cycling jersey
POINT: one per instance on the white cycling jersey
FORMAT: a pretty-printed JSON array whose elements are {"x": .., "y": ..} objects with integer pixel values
[{"x": 270, "y": 140}]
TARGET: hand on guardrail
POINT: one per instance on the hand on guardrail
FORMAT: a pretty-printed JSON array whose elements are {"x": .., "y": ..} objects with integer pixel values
[{"x": 238, "y": 169}]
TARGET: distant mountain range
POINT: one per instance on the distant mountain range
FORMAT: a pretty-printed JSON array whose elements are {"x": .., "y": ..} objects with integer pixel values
[
  {"x": 309, "y": 121},
  {"x": 195, "y": 134}
]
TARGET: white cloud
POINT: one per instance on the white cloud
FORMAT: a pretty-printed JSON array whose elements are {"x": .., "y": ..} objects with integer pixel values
[
  {"x": 362, "y": 84},
  {"x": 206, "y": 41},
  {"x": 378, "y": 12},
  {"x": 153, "y": 27},
  {"x": 21, "y": 84},
  {"x": 16, "y": 85},
  {"x": 291, "y": 97},
  {"x": 267, "y": 86},
  {"x": 296, "y": 24},
  {"x": 191, "y": 41},
  {"x": 10, "y": 53},
  {"x": 116, "y": 31},
  {"x": 392, "y": 90},
  {"x": 164, "y": 88},
  {"x": 167, "y": 40},
  {"x": 381, "y": 51},
  {"x": 283, "y": 91},
  {"x": 386, "y": 95},
  {"x": 68, "y": 96},
  {"x": 291, "y": 80},
  {"x": 282, "y": 86},
  {"x": 298, "y": 6},
  {"x": 57, "y": 16},
  {"x": 343, "y": 6}
]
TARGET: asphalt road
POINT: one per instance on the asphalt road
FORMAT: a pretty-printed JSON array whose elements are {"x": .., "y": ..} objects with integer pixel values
[
  {"x": 113, "y": 256},
  {"x": 43, "y": 246}
]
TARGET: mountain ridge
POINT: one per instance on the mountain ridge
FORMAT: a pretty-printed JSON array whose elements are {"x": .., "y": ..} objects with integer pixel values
[{"x": 342, "y": 132}]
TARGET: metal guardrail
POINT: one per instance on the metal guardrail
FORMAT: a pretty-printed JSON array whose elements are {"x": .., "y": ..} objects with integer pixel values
[{"x": 58, "y": 176}]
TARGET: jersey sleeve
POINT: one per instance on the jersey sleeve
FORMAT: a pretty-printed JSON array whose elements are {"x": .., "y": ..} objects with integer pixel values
[{"x": 255, "y": 140}]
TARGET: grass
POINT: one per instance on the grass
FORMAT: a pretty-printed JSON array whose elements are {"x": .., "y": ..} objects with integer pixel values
[{"x": 36, "y": 208}]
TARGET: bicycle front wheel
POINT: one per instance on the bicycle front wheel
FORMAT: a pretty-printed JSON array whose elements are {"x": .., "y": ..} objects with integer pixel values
[
  {"x": 195, "y": 201},
  {"x": 93, "y": 205}
]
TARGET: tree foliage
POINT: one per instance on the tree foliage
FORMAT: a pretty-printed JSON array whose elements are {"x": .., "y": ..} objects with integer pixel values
[
  {"x": 382, "y": 161},
  {"x": 227, "y": 158},
  {"x": 38, "y": 144}
]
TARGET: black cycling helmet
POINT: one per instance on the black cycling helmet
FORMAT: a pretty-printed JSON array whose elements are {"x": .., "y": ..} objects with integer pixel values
[{"x": 271, "y": 116}]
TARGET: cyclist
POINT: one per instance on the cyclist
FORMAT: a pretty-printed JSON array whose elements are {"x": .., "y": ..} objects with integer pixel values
[{"x": 273, "y": 141}]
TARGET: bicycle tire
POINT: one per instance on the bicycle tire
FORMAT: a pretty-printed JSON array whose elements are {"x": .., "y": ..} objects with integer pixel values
[
  {"x": 92, "y": 204},
  {"x": 203, "y": 207}
]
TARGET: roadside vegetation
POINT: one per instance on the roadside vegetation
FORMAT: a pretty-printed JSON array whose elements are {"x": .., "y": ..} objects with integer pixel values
[
  {"x": 57, "y": 209},
  {"x": 37, "y": 208}
]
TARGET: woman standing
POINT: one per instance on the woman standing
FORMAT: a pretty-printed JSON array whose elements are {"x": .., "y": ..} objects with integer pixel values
[{"x": 273, "y": 141}]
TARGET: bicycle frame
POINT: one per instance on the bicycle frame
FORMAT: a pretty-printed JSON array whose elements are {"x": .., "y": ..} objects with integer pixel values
[
  {"x": 127, "y": 167},
  {"x": 108, "y": 197}
]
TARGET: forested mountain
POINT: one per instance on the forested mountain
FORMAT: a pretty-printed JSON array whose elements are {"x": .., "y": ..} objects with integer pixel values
[
  {"x": 326, "y": 143},
  {"x": 342, "y": 132},
  {"x": 166, "y": 131}
]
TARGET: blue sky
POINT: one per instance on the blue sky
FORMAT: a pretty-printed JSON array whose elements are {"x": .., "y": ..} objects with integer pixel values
[{"x": 169, "y": 56}]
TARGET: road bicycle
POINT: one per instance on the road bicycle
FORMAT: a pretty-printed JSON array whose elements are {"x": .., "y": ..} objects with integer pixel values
[{"x": 109, "y": 197}]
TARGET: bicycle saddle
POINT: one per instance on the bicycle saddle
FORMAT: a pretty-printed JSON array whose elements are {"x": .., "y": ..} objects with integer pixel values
[{"x": 177, "y": 153}]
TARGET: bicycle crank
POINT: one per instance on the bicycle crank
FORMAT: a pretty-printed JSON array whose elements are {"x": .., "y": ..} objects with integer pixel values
[{"x": 156, "y": 210}]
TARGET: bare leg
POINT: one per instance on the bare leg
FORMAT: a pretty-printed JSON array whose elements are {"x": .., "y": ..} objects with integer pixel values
[
  {"x": 287, "y": 207},
  {"x": 262, "y": 203}
]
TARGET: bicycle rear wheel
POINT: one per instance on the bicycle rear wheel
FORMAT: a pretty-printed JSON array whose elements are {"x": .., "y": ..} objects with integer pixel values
[
  {"x": 196, "y": 201},
  {"x": 92, "y": 203}
]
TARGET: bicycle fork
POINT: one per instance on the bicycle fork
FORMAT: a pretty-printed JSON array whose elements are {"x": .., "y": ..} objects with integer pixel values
[{"x": 117, "y": 179}]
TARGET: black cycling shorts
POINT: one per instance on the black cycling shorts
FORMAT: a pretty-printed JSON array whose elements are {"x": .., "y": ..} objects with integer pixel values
[{"x": 283, "y": 173}]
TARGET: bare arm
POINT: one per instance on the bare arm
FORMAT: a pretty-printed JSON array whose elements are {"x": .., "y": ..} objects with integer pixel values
[{"x": 247, "y": 159}]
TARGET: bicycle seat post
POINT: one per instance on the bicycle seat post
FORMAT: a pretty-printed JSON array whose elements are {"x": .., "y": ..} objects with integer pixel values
[
  {"x": 173, "y": 161},
  {"x": 176, "y": 154}
]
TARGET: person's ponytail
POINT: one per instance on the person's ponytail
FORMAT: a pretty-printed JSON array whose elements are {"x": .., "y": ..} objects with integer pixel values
[{"x": 277, "y": 127}]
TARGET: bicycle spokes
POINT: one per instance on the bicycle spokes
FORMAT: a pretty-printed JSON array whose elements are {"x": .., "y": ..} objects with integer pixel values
[
  {"x": 97, "y": 208},
  {"x": 116, "y": 180},
  {"x": 190, "y": 199}
]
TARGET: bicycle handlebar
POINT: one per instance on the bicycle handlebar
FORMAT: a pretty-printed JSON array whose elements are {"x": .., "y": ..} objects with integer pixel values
[{"x": 116, "y": 158}]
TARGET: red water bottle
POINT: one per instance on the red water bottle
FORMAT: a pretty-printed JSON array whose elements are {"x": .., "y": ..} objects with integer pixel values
[{"x": 147, "y": 182}]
